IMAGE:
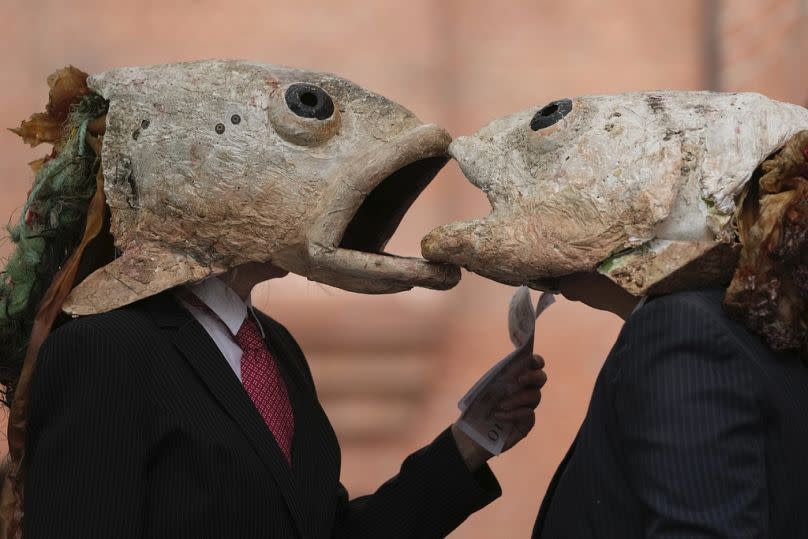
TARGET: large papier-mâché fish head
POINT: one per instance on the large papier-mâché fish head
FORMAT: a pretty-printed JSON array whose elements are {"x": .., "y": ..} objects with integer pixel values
[
  {"x": 640, "y": 186},
  {"x": 212, "y": 164}
]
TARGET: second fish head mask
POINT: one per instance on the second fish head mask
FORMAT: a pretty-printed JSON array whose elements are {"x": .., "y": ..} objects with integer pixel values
[{"x": 641, "y": 187}]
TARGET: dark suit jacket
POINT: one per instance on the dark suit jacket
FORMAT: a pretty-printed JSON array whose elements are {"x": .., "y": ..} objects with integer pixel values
[
  {"x": 695, "y": 429},
  {"x": 139, "y": 428}
]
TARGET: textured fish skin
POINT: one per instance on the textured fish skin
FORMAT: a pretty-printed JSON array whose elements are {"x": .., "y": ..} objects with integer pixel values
[
  {"x": 212, "y": 164},
  {"x": 640, "y": 186}
]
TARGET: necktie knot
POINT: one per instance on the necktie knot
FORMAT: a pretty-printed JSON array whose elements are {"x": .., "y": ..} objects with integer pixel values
[{"x": 249, "y": 336}]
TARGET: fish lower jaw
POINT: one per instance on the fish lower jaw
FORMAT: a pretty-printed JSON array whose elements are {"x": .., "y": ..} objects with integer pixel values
[
  {"x": 364, "y": 211},
  {"x": 379, "y": 273}
]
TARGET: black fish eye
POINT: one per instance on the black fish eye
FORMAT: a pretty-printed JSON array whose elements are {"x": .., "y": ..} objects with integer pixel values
[
  {"x": 550, "y": 114},
  {"x": 309, "y": 101}
]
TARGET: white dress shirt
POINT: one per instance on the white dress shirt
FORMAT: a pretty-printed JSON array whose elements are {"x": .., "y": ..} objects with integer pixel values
[{"x": 231, "y": 311}]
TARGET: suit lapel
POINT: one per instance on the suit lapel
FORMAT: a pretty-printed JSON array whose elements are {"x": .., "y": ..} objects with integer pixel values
[
  {"x": 315, "y": 449},
  {"x": 203, "y": 355}
]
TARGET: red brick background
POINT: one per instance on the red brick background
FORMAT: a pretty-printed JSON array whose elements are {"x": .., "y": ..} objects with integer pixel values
[{"x": 390, "y": 369}]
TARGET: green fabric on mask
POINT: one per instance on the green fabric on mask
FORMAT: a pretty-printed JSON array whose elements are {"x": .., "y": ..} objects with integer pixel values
[{"x": 50, "y": 226}]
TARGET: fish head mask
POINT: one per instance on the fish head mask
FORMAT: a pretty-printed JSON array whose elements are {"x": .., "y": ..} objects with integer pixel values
[
  {"x": 212, "y": 164},
  {"x": 641, "y": 187}
]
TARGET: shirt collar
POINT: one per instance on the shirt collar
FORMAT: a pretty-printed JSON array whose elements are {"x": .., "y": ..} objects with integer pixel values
[
  {"x": 639, "y": 306},
  {"x": 225, "y": 303}
]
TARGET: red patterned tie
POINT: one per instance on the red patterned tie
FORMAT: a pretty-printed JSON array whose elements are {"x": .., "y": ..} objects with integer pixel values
[
  {"x": 265, "y": 386},
  {"x": 261, "y": 378}
]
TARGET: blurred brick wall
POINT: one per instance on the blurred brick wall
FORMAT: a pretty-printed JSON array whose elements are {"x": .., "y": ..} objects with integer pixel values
[
  {"x": 391, "y": 369},
  {"x": 761, "y": 47}
]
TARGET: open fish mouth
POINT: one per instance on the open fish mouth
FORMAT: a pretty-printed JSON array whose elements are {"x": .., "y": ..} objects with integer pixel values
[{"x": 373, "y": 195}]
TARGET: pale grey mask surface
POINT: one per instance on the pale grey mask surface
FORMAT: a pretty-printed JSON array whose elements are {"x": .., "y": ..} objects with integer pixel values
[
  {"x": 640, "y": 186},
  {"x": 209, "y": 165}
]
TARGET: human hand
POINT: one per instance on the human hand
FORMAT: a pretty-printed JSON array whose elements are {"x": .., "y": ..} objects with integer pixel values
[{"x": 517, "y": 408}]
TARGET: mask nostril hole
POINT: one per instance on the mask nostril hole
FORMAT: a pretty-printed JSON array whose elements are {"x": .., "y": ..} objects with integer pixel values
[
  {"x": 308, "y": 99},
  {"x": 549, "y": 110},
  {"x": 550, "y": 114}
]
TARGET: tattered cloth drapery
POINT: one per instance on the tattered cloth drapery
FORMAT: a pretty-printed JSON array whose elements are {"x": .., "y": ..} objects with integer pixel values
[
  {"x": 49, "y": 310},
  {"x": 769, "y": 291},
  {"x": 64, "y": 212}
]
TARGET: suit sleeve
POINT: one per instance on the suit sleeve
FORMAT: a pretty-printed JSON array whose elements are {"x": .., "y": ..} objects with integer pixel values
[
  {"x": 432, "y": 495},
  {"x": 85, "y": 441},
  {"x": 691, "y": 424}
]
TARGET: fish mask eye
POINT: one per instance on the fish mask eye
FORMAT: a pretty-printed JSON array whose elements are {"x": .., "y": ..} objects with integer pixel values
[
  {"x": 550, "y": 114},
  {"x": 309, "y": 101},
  {"x": 304, "y": 114}
]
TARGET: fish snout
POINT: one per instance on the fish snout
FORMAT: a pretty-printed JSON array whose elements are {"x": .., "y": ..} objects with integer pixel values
[
  {"x": 480, "y": 245},
  {"x": 477, "y": 159},
  {"x": 453, "y": 243},
  {"x": 461, "y": 147}
]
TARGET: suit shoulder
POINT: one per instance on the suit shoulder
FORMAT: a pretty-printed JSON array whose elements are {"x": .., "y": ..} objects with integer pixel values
[
  {"x": 707, "y": 302},
  {"x": 702, "y": 309},
  {"x": 691, "y": 323},
  {"x": 118, "y": 323},
  {"x": 687, "y": 311},
  {"x": 130, "y": 321},
  {"x": 102, "y": 345}
]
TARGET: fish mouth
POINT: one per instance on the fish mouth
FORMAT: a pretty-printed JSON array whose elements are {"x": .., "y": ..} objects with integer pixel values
[
  {"x": 383, "y": 209},
  {"x": 482, "y": 245},
  {"x": 458, "y": 242},
  {"x": 368, "y": 203}
]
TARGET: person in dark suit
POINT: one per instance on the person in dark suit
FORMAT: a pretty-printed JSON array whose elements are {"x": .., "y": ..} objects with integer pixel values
[
  {"x": 695, "y": 428},
  {"x": 144, "y": 422}
]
